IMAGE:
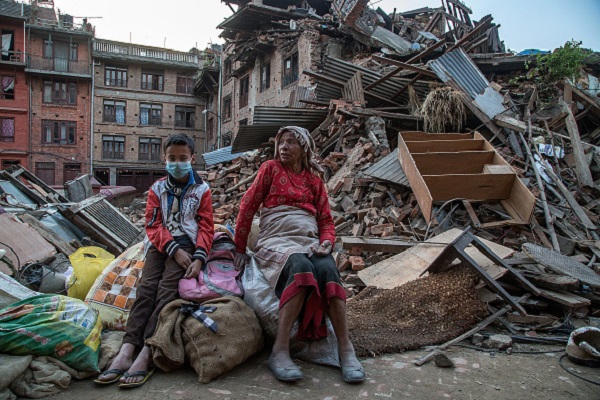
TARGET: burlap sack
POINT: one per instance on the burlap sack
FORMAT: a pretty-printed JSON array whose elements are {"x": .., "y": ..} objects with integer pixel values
[{"x": 210, "y": 354}]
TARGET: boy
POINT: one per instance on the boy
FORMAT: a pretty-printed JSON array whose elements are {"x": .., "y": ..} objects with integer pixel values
[{"x": 179, "y": 234}]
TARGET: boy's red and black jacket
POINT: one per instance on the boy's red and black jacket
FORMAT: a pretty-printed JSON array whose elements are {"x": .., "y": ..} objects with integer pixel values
[{"x": 196, "y": 217}]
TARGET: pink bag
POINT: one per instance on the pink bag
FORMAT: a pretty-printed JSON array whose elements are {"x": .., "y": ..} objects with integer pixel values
[{"x": 218, "y": 277}]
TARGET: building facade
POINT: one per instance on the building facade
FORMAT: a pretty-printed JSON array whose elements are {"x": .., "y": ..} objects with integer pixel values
[
  {"x": 59, "y": 68},
  {"x": 141, "y": 95},
  {"x": 14, "y": 90}
]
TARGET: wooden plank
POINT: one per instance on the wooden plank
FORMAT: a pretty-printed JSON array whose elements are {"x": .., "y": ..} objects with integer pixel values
[
  {"x": 367, "y": 244},
  {"x": 412, "y": 136},
  {"x": 383, "y": 114},
  {"x": 531, "y": 319},
  {"x": 582, "y": 169},
  {"x": 409, "y": 67},
  {"x": 469, "y": 186},
  {"x": 353, "y": 91},
  {"x": 553, "y": 281},
  {"x": 417, "y": 183},
  {"x": 472, "y": 214},
  {"x": 432, "y": 146},
  {"x": 567, "y": 299},
  {"x": 483, "y": 23},
  {"x": 461, "y": 162},
  {"x": 408, "y": 265}
]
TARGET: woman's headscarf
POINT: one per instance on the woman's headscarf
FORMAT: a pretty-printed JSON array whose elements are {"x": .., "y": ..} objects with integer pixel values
[{"x": 308, "y": 144}]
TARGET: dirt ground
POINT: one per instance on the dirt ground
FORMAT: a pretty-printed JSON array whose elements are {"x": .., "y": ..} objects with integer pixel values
[{"x": 477, "y": 375}]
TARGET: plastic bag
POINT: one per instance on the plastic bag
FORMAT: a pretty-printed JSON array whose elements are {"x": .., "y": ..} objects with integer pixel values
[
  {"x": 262, "y": 299},
  {"x": 55, "y": 326},
  {"x": 88, "y": 262}
]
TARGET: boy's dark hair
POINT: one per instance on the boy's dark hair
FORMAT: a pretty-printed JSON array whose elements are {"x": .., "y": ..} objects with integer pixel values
[{"x": 179, "y": 139}]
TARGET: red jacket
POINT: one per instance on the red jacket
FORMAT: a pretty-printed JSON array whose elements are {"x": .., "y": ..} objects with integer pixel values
[{"x": 196, "y": 218}]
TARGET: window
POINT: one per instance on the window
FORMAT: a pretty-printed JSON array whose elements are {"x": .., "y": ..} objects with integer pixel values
[
  {"x": 227, "y": 69},
  {"x": 114, "y": 111},
  {"x": 45, "y": 171},
  {"x": 185, "y": 117},
  {"x": 8, "y": 130},
  {"x": 290, "y": 70},
  {"x": 185, "y": 83},
  {"x": 73, "y": 53},
  {"x": 152, "y": 81},
  {"x": 265, "y": 76},
  {"x": 58, "y": 132},
  {"x": 115, "y": 76},
  {"x": 149, "y": 149},
  {"x": 57, "y": 92},
  {"x": 227, "y": 107},
  {"x": 244, "y": 88},
  {"x": 60, "y": 50},
  {"x": 210, "y": 129},
  {"x": 8, "y": 44},
  {"x": 150, "y": 114},
  {"x": 244, "y": 122},
  {"x": 113, "y": 147},
  {"x": 6, "y": 164},
  {"x": 7, "y": 91}
]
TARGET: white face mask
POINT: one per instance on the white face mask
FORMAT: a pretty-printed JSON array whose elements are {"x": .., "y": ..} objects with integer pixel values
[{"x": 179, "y": 169}]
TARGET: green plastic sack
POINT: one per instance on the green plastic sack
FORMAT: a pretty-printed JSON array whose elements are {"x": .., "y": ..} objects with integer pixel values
[
  {"x": 88, "y": 262},
  {"x": 55, "y": 326}
]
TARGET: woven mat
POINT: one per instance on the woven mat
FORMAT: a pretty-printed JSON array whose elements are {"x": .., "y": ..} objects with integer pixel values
[
  {"x": 426, "y": 311},
  {"x": 561, "y": 264}
]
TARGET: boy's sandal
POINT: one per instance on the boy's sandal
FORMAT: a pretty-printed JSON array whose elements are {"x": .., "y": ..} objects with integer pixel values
[
  {"x": 118, "y": 374},
  {"x": 145, "y": 374}
]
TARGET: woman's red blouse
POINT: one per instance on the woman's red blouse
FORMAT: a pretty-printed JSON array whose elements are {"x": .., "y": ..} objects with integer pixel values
[{"x": 276, "y": 185}]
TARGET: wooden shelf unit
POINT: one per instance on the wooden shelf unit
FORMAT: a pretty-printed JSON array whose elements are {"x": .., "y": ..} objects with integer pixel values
[{"x": 446, "y": 166}]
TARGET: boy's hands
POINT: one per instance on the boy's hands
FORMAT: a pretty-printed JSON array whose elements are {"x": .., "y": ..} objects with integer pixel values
[
  {"x": 182, "y": 258},
  {"x": 193, "y": 270}
]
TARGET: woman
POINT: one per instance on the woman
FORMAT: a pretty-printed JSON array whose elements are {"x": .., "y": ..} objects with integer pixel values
[{"x": 294, "y": 251}]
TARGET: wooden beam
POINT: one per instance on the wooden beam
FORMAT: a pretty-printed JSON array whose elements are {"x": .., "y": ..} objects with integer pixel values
[
  {"x": 55, "y": 240},
  {"x": 409, "y": 67},
  {"x": 471, "y": 34},
  {"x": 383, "y": 114},
  {"x": 405, "y": 87},
  {"x": 367, "y": 244},
  {"x": 582, "y": 169},
  {"x": 422, "y": 54},
  {"x": 324, "y": 78}
]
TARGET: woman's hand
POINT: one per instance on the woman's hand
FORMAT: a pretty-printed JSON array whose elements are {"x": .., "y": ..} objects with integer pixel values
[
  {"x": 324, "y": 249},
  {"x": 193, "y": 270},
  {"x": 182, "y": 258},
  {"x": 240, "y": 260}
]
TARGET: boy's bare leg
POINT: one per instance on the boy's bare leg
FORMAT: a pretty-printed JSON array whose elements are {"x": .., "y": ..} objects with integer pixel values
[
  {"x": 141, "y": 363},
  {"x": 122, "y": 361}
]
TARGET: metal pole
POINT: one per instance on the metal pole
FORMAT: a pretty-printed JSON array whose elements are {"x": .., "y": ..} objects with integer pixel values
[
  {"x": 205, "y": 129},
  {"x": 220, "y": 99}
]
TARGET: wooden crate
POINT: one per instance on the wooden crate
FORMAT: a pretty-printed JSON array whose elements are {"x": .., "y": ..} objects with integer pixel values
[{"x": 446, "y": 166}]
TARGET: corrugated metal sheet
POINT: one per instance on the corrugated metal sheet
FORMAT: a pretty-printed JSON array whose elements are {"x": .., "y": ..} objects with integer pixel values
[
  {"x": 457, "y": 70},
  {"x": 12, "y": 9},
  {"x": 344, "y": 71},
  {"x": 250, "y": 137},
  {"x": 304, "y": 117},
  {"x": 392, "y": 40},
  {"x": 220, "y": 156},
  {"x": 458, "y": 67},
  {"x": 388, "y": 169}
]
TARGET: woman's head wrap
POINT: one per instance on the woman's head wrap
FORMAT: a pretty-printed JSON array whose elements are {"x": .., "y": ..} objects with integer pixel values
[{"x": 308, "y": 144}]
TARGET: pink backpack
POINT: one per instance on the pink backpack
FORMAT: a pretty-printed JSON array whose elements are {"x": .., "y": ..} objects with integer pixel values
[{"x": 218, "y": 277}]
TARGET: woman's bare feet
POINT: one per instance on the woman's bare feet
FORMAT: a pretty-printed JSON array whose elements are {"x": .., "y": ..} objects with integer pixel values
[{"x": 142, "y": 362}]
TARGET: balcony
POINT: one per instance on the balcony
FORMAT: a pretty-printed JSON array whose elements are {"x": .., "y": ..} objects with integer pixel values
[
  {"x": 151, "y": 121},
  {"x": 152, "y": 86},
  {"x": 58, "y": 66},
  {"x": 13, "y": 57},
  {"x": 129, "y": 50}
]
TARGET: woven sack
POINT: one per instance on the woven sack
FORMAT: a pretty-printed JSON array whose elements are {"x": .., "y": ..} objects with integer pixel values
[{"x": 210, "y": 354}]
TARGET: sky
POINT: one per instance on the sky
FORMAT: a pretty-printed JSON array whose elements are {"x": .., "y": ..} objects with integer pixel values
[{"x": 184, "y": 24}]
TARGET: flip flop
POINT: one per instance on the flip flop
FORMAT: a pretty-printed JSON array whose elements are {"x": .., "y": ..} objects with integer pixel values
[
  {"x": 145, "y": 374},
  {"x": 118, "y": 372}
]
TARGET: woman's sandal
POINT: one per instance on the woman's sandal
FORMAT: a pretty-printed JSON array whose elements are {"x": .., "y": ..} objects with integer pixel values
[
  {"x": 353, "y": 374},
  {"x": 118, "y": 372},
  {"x": 286, "y": 374},
  {"x": 145, "y": 374}
]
